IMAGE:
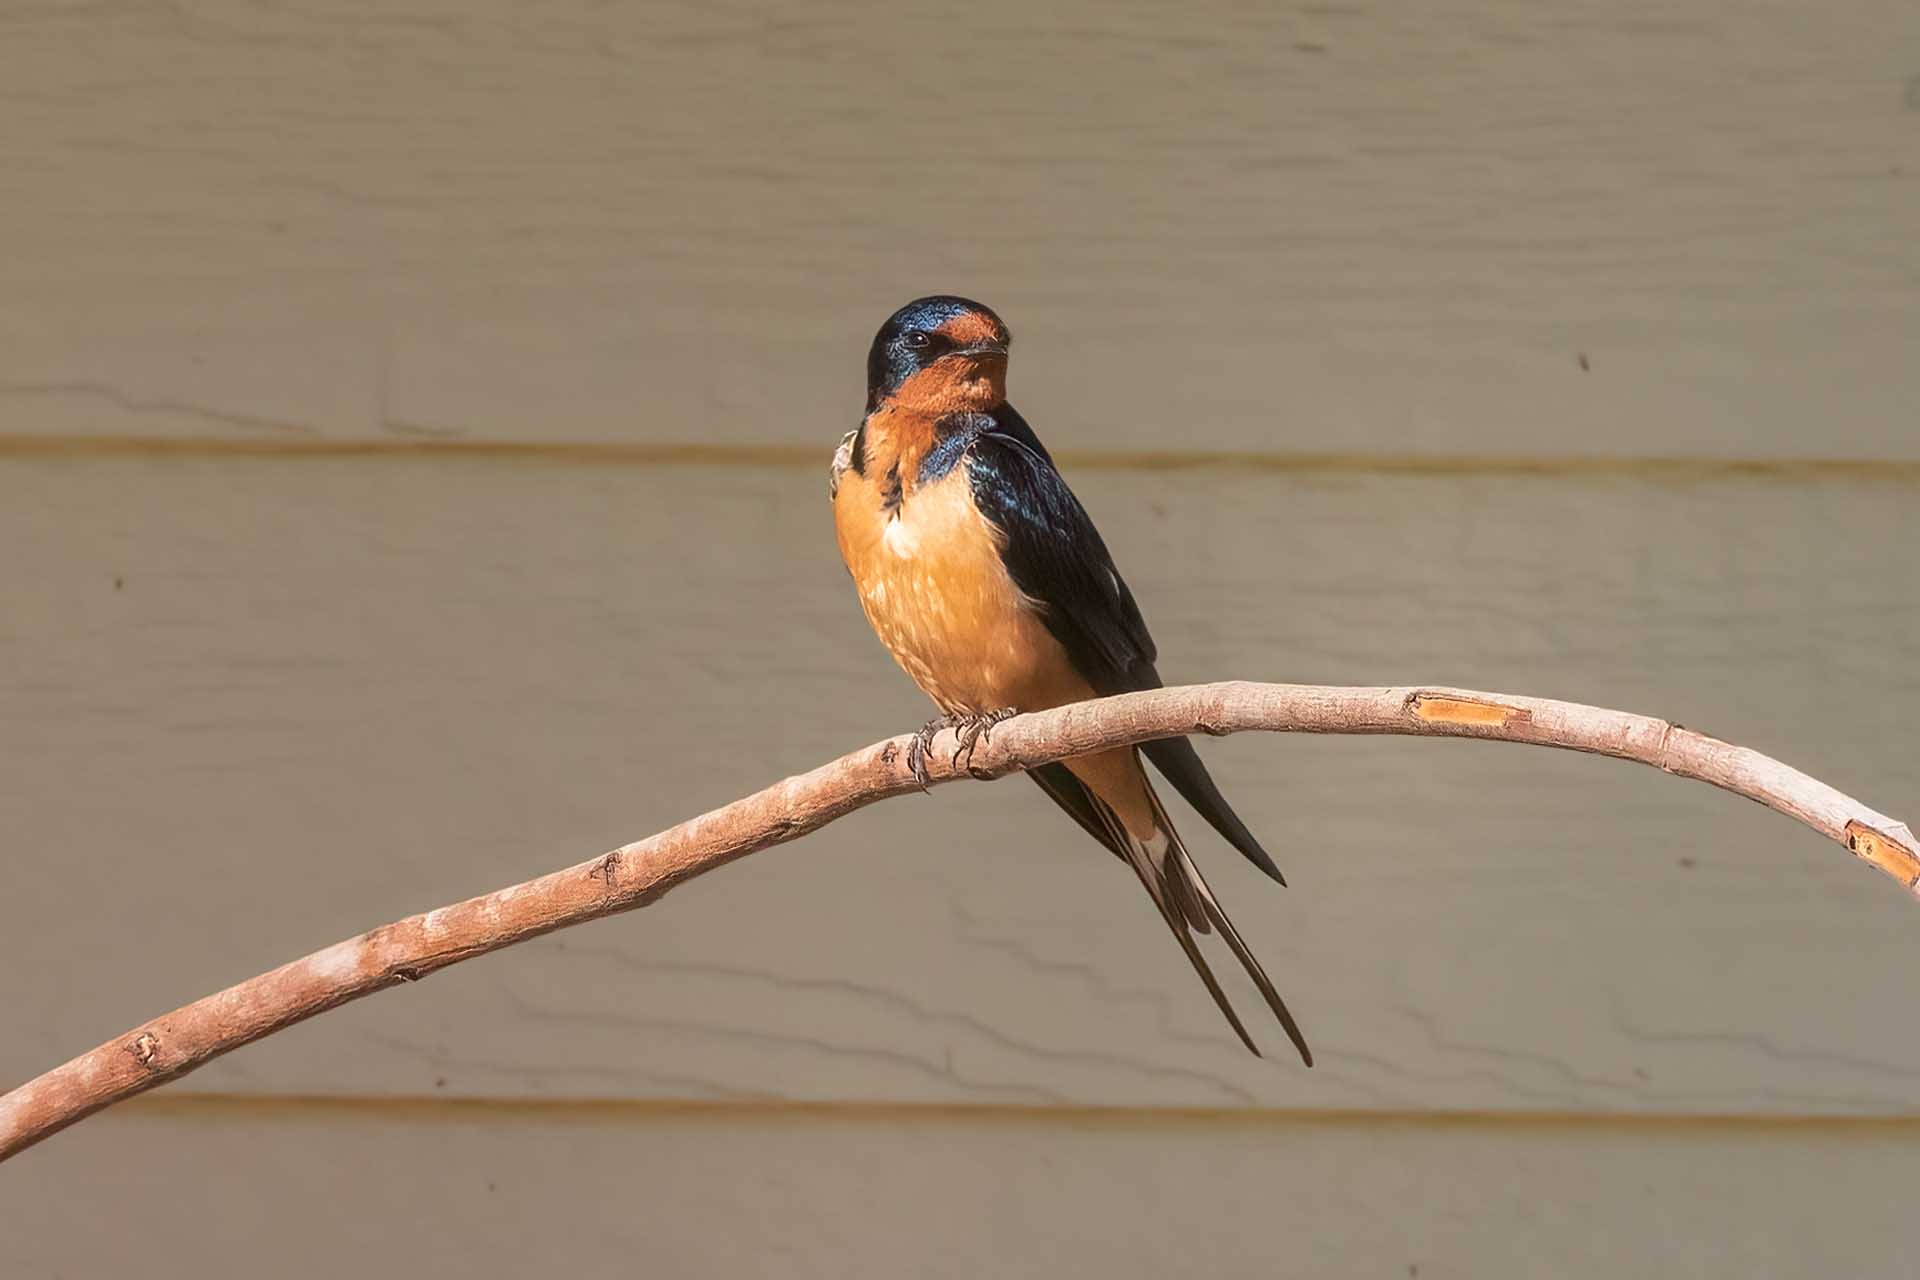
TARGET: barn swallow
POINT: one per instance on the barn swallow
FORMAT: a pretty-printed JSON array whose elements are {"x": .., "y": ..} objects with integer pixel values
[{"x": 985, "y": 579}]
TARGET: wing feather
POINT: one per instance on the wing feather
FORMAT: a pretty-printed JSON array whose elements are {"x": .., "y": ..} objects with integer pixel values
[{"x": 1058, "y": 559}]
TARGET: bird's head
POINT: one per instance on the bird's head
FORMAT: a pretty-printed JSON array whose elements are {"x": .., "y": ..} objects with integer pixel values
[{"x": 939, "y": 355}]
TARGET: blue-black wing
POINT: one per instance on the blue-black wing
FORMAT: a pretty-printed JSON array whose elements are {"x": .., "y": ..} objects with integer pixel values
[{"x": 1057, "y": 557}]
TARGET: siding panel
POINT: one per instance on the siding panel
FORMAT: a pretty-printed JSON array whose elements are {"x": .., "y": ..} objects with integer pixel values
[
  {"x": 253, "y": 705},
  {"x": 1486, "y": 228},
  {"x": 324, "y": 1192}
]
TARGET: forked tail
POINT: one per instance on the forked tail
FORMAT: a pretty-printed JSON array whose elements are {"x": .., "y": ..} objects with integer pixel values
[{"x": 1177, "y": 888}]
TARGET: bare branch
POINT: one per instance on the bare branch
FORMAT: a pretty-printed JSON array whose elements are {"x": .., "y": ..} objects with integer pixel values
[{"x": 636, "y": 874}]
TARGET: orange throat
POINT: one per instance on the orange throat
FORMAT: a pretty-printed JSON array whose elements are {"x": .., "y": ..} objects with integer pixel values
[{"x": 956, "y": 384}]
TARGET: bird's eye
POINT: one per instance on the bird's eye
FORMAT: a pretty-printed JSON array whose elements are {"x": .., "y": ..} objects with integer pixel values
[{"x": 919, "y": 340}]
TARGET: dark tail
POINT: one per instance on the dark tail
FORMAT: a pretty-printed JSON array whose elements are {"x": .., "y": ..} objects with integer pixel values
[
  {"x": 1175, "y": 884},
  {"x": 1176, "y": 759}
]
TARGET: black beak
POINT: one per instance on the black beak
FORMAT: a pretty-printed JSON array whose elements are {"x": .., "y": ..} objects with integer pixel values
[{"x": 984, "y": 348}]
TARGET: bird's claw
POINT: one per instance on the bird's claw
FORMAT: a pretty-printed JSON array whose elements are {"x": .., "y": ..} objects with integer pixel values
[
  {"x": 969, "y": 732},
  {"x": 922, "y": 746},
  {"x": 973, "y": 730}
]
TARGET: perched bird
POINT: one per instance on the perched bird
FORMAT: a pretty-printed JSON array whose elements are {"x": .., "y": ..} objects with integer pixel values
[{"x": 986, "y": 580}]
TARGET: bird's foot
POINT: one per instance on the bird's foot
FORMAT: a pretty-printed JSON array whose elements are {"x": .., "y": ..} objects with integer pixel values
[
  {"x": 969, "y": 732},
  {"x": 973, "y": 730},
  {"x": 922, "y": 744}
]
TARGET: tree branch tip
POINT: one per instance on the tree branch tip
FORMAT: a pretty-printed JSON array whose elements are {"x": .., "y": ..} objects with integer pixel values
[{"x": 1886, "y": 851}]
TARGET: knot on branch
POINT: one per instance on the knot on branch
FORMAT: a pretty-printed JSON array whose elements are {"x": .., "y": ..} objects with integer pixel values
[{"x": 144, "y": 1048}]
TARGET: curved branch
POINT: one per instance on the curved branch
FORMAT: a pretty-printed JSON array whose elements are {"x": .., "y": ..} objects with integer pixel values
[{"x": 636, "y": 874}]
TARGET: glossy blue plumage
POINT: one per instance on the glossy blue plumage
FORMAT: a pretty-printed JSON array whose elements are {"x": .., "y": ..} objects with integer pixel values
[
  {"x": 936, "y": 402},
  {"x": 1057, "y": 557},
  {"x": 892, "y": 358}
]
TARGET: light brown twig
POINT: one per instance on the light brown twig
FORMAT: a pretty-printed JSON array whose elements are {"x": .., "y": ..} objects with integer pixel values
[{"x": 634, "y": 875}]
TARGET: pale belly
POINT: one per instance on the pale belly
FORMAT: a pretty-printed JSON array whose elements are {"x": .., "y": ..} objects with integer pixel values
[{"x": 934, "y": 589}]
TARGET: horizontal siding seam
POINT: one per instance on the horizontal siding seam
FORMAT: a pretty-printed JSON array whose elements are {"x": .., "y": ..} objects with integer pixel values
[
  {"x": 445, "y": 1107},
  {"x": 1906, "y": 471}
]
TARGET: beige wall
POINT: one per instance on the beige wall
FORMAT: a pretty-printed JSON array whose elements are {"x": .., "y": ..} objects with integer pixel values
[{"x": 354, "y": 560}]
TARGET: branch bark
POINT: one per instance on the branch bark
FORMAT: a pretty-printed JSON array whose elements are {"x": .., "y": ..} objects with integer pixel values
[{"x": 635, "y": 874}]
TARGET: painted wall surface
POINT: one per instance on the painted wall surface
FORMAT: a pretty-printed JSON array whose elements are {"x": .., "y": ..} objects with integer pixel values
[{"x": 413, "y": 431}]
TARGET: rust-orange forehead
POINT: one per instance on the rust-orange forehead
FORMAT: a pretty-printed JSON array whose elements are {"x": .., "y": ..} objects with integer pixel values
[{"x": 971, "y": 326}]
